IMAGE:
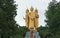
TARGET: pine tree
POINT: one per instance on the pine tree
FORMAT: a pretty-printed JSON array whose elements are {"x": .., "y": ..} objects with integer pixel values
[
  {"x": 7, "y": 18},
  {"x": 53, "y": 18}
]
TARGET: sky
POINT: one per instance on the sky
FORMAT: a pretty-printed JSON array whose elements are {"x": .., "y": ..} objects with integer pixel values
[{"x": 41, "y": 5}]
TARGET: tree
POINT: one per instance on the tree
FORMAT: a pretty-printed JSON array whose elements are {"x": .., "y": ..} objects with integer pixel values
[
  {"x": 23, "y": 30},
  {"x": 53, "y": 18},
  {"x": 44, "y": 32},
  {"x": 7, "y": 15}
]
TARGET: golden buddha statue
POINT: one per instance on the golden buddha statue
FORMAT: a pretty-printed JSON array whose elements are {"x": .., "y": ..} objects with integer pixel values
[{"x": 31, "y": 18}]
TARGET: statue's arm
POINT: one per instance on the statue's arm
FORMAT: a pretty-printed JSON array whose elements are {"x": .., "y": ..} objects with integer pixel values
[
  {"x": 29, "y": 14},
  {"x": 37, "y": 16},
  {"x": 24, "y": 18}
]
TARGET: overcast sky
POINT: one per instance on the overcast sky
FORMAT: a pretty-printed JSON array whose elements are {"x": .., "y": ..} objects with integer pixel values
[{"x": 41, "y": 5}]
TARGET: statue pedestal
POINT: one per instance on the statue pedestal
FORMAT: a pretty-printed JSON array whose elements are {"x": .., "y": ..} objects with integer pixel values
[{"x": 33, "y": 34}]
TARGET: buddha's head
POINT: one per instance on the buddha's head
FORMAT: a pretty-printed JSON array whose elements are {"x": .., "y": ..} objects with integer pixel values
[
  {"x": 36, "y": 10},
  {"x": 27, "y": 10},
  {"x": 31, "y": 9}
]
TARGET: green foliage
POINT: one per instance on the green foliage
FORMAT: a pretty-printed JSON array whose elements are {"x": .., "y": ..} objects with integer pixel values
[
  {"x": 16, "y": 36},
  {"x": 53, "y": 19},
  {"x": 44, "y": 32},
  {"x": 7, "y": 15},
  {"x": 8, "y": 26},
  {"x": 23, "y": 30}
]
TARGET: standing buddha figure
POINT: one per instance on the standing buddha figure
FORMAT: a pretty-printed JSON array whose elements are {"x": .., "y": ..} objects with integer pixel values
[
  {"x": 31, "y": 19},
  {"x": 36, "y": 18},
  {"x": 27, "y": 18}
]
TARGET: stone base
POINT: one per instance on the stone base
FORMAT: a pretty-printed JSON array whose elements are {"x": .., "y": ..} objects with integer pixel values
[{"x": 33, "y": 34}]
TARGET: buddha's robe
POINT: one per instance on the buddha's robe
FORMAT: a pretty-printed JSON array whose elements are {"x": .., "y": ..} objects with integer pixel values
[
  {"x": 36, "y": 19},
  {"x": 31, "y": 20}
]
